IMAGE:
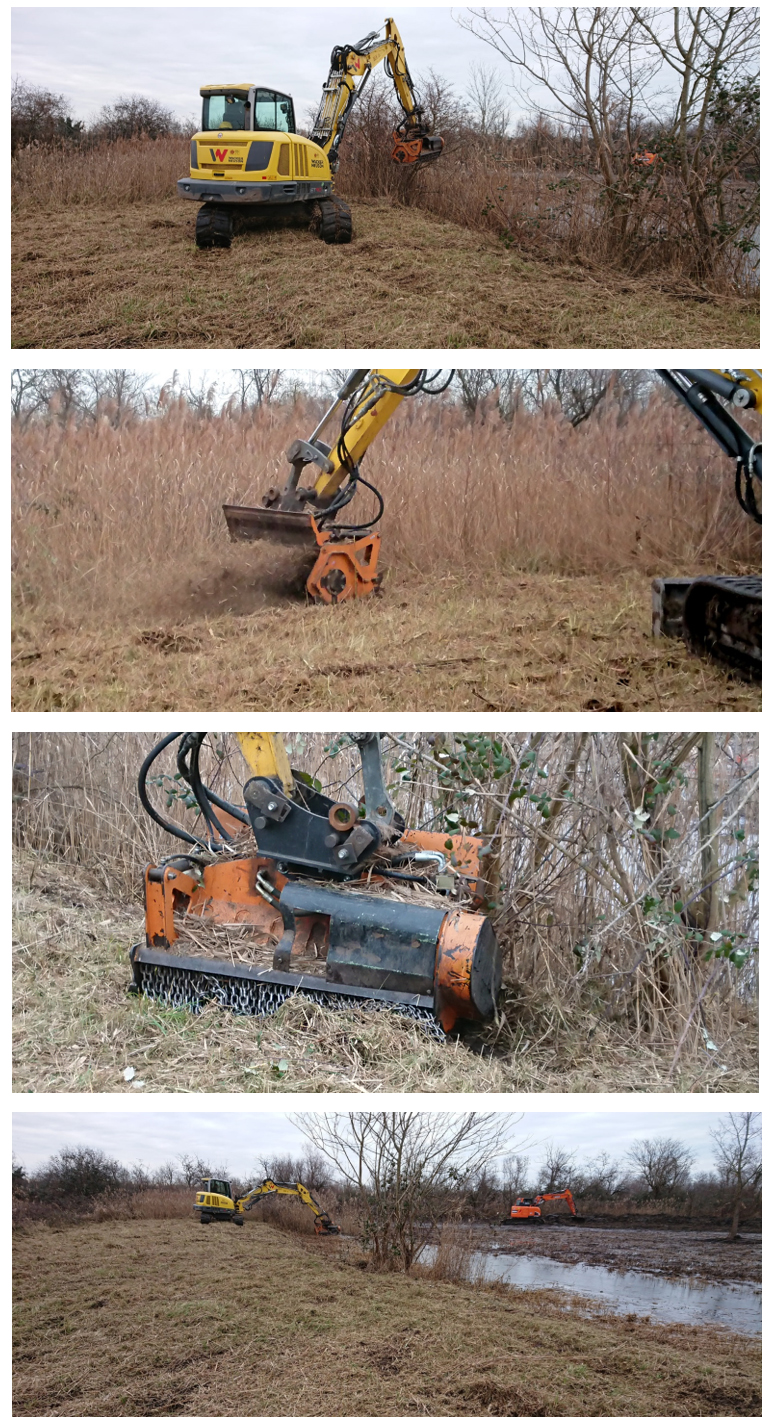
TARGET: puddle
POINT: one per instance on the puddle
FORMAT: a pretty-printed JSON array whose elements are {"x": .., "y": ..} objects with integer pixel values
[{"x": 685, "y": 1301}]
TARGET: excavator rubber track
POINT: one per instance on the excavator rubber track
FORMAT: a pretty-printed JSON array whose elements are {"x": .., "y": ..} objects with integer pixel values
[
  {"x": 334, "y": 223},
  {"x": 720, "y": 616},
  {"x": 214, "y": 227},
  {"x": 193, "y": 982}
]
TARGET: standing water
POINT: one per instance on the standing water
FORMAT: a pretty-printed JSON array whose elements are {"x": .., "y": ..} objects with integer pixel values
[{"x": 685, "y": 1301}]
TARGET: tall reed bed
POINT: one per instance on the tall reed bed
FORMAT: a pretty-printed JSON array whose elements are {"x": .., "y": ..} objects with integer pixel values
[
  {"x": 105, "y": 520},
  {"x": 544, "y": 199}
]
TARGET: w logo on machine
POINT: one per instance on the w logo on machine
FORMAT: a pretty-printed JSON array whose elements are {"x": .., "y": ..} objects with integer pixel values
[{"x": 218, "y": 154}]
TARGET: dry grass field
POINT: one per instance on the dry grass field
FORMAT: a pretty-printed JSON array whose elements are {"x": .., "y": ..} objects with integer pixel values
[
  {"x": 148, "y": 1317},
  {"x": 515, "y": 262},
  {"x": 130, "y": 277},
  {"x": 517, "y": 556},
  {"x": 76, "y": 1029},
  {"x": 522, "y": 643}
]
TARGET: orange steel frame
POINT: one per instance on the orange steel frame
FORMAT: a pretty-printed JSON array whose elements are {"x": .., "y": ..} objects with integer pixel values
[{"x": 228, "y": 893}]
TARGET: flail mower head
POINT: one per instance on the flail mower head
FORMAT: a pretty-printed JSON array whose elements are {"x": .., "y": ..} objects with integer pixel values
[{"x": 299, "y": 894}]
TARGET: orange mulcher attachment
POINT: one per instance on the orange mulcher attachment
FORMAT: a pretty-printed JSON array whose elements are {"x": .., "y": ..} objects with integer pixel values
[
  {"x": 309, "y": 908},
  {"x": 344, "y": 568},
  {"x": 413, "y": 144},
  {"x": 325, "y": 478}
]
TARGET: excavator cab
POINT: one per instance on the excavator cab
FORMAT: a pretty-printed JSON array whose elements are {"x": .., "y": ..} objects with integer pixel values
[
  {"x": 214, "y": 1201},
  {"x": 246, "y": 108},
  {"x": 217, "y": 1188}
]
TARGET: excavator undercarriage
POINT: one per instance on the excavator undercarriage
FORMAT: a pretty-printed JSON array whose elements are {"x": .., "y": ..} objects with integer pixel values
[
  {"x": 720, "y": 616},
  {"x": 297, "y": 895}
]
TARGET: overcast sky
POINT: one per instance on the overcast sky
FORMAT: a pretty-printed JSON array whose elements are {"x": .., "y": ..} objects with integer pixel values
[
  {"x": 235, "y": 1140},
  {"x": 94, "y": 55}
]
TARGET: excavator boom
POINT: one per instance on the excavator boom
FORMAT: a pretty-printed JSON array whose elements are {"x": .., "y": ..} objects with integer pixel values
[
  {"x": 305, "y": 514},
  {"x": 350, "y": 69}
]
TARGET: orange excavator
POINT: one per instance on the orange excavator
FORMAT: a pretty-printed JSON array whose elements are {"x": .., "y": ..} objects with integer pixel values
[{"x": 527, "y": 1210}]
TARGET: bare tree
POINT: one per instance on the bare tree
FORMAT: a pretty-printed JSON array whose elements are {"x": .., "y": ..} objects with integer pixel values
[
  {"x": 712, "y": 132},
  {"x": 600, "y": 1179},
  {"x": 409, "y": 1169},
  {"x": 27, "y": 394},
  {"x": 737, "y": 1147},
  {"x": 201, "y": 398},
  {"x": 489, "y": 112},
  {"x": 39, "y": 116},
  {"x": 557, "y": 1170},
  {"x": 515, "y": 1177},
  {"x": 193, "y": 1169},
  {"x": 255, "y": 387},
  {"x": 115, "y": 394},
  {"x": 685, "y": 79},
  {"x": 663, "y": 1165},
  {"x": 134, "y": 116}
]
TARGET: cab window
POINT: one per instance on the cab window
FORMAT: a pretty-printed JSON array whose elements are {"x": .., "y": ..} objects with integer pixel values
[
  {"x": 226, "y": 111},
  {"x": 273, "y": 112}
]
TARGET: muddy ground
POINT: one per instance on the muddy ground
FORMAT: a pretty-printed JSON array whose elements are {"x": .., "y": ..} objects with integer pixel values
[{"x": 672, "y": 1254}]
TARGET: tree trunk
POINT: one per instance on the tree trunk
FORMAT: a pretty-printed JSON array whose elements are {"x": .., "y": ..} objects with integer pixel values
[
  {"x": 708, "y": 906},
  {"x": 732, "y": 1233}
]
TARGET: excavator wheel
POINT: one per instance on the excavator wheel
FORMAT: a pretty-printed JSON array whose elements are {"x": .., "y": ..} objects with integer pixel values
[
  {"x": 214, "y": 227},
  {"x": 334, "y": 224}
]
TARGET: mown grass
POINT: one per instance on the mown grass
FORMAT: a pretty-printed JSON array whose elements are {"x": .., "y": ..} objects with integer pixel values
[
  {"x": 128, "y": 275},
  {"x": 514, "y": 643},
  {"x": 168, "y": 1316},
  {"x": 76, "y": 1029}
]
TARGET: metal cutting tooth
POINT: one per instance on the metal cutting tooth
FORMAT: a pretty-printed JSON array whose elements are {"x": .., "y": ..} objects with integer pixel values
[{"x": 182, "y": 990}]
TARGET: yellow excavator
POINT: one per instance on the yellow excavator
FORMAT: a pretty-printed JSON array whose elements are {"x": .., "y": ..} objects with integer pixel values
[
  {"x": 215, "y": 1201},
  {"x": 293, "y": 893},
  {"x": 247, "y": 157},
  {"x": 718, "y": 615}
]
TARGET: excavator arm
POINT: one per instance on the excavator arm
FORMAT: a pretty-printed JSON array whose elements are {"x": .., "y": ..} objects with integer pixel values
[
  {"x": 323, "y": 1225},
  {"x": 303, "y": 513},
  {"x": 350, "y": 68},
  {"x": 706, "y": 392},
  {"x": 558, "y": 1196}
]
